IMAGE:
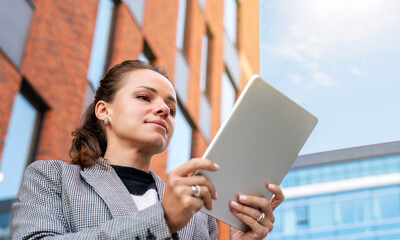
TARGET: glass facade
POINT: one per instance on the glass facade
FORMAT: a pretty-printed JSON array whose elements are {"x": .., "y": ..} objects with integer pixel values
[
  {"x": 137, "y": 8},
  {"x": 16, "y": 154},
  {"x": 100, "y": 42},
  {"x": 202, "y": 4},
  {"x": 364, "y": 213},
  {"x": 180, "y": 31},
  {"x": 15, "y": 21},
  {"x": 143, "y": 57},
  {"x": 228, "y": 97},
  {"x": 230, "y": 19},
  {"x": 180, "y": 148},
  {"x": 204, "y": 63},
  {"x": 205, "y": 87},
  {"x": 342, "y": 171}
]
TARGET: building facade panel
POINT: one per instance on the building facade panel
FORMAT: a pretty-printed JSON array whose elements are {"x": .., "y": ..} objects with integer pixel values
[
  {"x": 350, "y": 194},
  {"x": 160, "y": 32},
  {"x": 15, "y": 19},
  {"x": 248, "y": 45},
  {"x": 10, "y": 83},
  {"x": 58, "y": 53},
  {"x": 128, "y": 41},
  {"x": 56, "y": 63}
]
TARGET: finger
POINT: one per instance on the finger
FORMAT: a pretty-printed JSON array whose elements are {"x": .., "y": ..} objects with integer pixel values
[
  {"x": 206, "y": 196},
  {"x": 278, "y": 196},
  {"x": 249, "y": 211},
  {"x": 194, "y": 165},
  {"x": 258, "y": 230},
  {"x": 261, "y": 203},
  {"x": 192, "y": 204},
  {"x": 254, "y": 201},
  {"x": 202, "y": 181}
]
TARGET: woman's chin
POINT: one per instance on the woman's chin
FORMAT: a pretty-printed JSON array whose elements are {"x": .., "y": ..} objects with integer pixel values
[{"x": 158, "y": 146}]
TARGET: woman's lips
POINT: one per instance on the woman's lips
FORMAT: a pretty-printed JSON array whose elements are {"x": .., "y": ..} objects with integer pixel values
[{"x": 160, "y": 123}]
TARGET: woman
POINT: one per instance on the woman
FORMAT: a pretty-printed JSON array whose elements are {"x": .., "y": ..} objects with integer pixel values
[{"x": 108, "y": 192}]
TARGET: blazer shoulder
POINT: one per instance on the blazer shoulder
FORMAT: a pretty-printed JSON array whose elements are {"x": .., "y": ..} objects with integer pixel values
[{"x": 57, "y": 167}]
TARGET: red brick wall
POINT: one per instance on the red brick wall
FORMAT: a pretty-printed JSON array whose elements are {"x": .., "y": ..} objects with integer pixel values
[
  {"x": 249, "y": 38},
  {"x": 159, "y": 30},
  {"x": 56, "y": 65},
  {"x": 128, "y": 42},
  {"x": 57, "y": 58},
  {"x": 10, "y": 83}
]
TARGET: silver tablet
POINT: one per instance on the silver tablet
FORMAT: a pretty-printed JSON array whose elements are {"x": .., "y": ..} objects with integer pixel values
[{"x": 256, "y": 145}]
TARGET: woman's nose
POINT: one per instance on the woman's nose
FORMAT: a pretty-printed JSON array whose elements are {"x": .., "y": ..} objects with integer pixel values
[{"x": 162, "y": 110}]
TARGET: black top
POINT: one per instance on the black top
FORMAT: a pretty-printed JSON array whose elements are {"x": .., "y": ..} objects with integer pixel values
[{"x": 136, "y": 181}]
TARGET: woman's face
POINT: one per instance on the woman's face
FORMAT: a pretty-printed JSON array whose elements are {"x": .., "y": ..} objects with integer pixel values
[{"x": 142, "y": 114}]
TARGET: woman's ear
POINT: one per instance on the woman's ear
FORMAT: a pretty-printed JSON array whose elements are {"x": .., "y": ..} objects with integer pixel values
[{"x": 101, "y": 110}]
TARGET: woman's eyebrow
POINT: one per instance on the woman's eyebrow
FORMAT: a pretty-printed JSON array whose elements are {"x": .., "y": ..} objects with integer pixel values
[{"x": 170, "y": 98}]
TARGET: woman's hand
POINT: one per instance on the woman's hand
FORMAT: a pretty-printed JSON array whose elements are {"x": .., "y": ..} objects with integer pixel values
[
  {"x": 251, "y": 216},
  {"x": 179, "y": 202}
]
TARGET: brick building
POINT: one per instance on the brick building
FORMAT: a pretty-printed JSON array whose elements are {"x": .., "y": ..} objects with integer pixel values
[{"x": 53, "y": 54}]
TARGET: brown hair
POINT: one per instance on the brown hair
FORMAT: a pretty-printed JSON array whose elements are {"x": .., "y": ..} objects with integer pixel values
[{"x": 89, "y": 139}]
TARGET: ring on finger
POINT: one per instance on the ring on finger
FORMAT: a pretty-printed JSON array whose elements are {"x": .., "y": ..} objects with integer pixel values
[
  {"x": 261, "y": 218},
  {"x": 196, "y": 190}
]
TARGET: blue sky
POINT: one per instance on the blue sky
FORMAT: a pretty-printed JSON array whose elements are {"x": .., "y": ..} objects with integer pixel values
[{"x": 340, "y": 59}]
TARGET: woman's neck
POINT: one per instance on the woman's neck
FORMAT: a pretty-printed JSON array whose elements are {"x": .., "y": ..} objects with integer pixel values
[{"x": 128, "y": 157}]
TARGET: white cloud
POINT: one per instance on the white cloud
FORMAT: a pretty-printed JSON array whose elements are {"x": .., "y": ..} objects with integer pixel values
[
  {"x": 295, "y": 78},
  {"x": 314, "y": 31},
  {"x": 331, "y": 56},
  {"x": 356, "y": 71},
  {"x": 321, "y": 78}
]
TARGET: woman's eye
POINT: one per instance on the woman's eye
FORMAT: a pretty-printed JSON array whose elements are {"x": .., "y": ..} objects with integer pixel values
[
  {"x": 171, "y": 111},
  {"x": 143, "y": 97}
]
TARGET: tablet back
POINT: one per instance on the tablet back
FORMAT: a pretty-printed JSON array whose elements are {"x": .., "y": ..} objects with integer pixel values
[{"x": 257, "y": 144}]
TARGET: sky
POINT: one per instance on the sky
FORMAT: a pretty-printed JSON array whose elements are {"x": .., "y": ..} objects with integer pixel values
[{"x": 340, "y": 60}]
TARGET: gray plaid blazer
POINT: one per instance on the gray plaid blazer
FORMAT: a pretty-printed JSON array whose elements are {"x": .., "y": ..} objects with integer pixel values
[{"x": 62, "y": 201}]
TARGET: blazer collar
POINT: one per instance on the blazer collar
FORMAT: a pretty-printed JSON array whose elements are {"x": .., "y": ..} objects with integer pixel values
[
  {"x": 105, "y": 182},
  {"x": 110, "y": 188},
  {"x": 189, "y": 229}
]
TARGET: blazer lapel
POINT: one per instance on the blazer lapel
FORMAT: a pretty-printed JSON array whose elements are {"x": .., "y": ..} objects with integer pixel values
[
  {"x": 110, "y": 188},
  {"x": 186, "y": 232}
]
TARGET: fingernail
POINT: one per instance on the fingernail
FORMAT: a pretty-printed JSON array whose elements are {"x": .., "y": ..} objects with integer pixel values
[
  {"x": 216, "y": 196},
  {"x": 235, "y": 204},
  {"x": 216, "y": 166},
  {"x": 242, "y": 197},
  {"x": 273, "y": 186}
]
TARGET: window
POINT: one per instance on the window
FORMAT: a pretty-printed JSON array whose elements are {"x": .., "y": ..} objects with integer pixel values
[
  {"x": 289, "y": 221},
  {"x": 302, "y": 217},
  {"x": 205, "y": 88},
  {"x": 205, "y": 63},
  {"x": 143, "y": 58},
  {"x": 230, "y": 19},
  {"x": 179, "y": 151},
  {"x": 5, "y": 218},
  {"x": 181, "y": 67},
  {"x": 19, "y": 148},
  {"x": 14, "y": 24},
  {"x": 180, "y": 31},
  {"x": 147, "y": 55},
  {"x": 202, "y": 4},
  {"x": 22, "y": 135},
  {"x": 321, "y": 220},
  {"x": 386, "y": 206},
  {"x": 228, "y": 96},
  {"x": 101, "y": 41},
  {"x": 136, "y": 8}
]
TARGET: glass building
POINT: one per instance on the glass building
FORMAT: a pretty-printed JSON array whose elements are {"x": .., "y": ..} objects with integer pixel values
[{"x": 343, "y": 194}]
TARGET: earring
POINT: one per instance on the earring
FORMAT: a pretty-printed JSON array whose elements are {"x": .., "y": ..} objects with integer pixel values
[{"x": 106, "y": 121}]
